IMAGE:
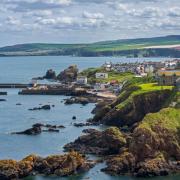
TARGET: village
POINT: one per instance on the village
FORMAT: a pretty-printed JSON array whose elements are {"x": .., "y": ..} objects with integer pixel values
[{"x": 107, "y": 80}]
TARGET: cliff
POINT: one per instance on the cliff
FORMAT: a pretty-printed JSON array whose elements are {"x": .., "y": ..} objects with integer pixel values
[
  {"x": 154, "y": 147},
  {"x": 133, "y": 104}
]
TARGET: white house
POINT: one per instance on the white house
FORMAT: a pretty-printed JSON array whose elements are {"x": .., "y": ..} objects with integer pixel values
[
  {"x": 82, "y": 80},
  {"x": 101, "y": 75}
]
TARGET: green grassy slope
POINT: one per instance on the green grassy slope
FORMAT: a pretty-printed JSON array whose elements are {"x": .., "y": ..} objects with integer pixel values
[{"x": 123, "y": 47}]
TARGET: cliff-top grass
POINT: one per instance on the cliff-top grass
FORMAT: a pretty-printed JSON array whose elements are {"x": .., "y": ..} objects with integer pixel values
[
  {"x": 168, "y": 118},
  {"x": 90, "y": 73},
  {"x": 140, "y": 90}
]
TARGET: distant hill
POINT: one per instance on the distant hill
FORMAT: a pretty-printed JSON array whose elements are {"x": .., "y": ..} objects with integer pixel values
[{"x": 168, "y": 46}]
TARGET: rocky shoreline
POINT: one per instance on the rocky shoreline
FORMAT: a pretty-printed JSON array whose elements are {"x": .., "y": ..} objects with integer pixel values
[
  {"x": 59, "y": 165},
  {"x": 147, "y": 151}
]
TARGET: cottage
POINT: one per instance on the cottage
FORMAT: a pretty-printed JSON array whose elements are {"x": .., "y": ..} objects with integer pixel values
[
  {"x": 101, "y": 75},
  {"x": 82, "y": 80},
  {"x": 168, "y": 77}
]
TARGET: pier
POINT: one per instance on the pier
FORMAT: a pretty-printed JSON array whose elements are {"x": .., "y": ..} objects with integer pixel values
[{"x": 13, "y": 85}]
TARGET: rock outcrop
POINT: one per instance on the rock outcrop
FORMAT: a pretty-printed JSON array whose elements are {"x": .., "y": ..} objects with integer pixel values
[
  {"x": 38, "y": 128},
  {"x": 59, "y": 165},
  {"x": 44, "y": 107},
  {"x": 69, "y": 74},
  {"x": 154, "y": 148},
  {"x": 50, "y": 74},
  {"x": 107, "y": 142}
]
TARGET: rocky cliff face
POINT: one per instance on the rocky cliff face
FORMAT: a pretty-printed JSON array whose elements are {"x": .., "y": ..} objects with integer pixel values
[
  {"x": 154, "y": 147},
  {"x": 60, "y": 165},
  {"x": 69, "y": 74},
  {"x": 133, "y": 111}
]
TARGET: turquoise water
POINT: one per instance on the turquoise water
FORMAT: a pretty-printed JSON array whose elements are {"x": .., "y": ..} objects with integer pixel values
[{"x": 17, "y": 118}]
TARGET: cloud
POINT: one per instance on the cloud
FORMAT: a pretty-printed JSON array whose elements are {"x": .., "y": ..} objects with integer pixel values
[
  {"x": 99, "y": 19},
  {"x": 92, "y": 15}
]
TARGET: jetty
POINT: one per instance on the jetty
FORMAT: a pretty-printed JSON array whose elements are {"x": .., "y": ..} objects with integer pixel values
[
  {"x": 13, "y": 85},
  {"x": 53, "y": 90}
]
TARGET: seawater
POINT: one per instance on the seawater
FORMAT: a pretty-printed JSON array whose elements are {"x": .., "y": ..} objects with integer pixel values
[{"x": 15, "y": 118}]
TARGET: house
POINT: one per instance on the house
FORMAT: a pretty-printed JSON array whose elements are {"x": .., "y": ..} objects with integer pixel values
[
  {"x": 100, "y": 86},
  {"x": 168, "y": 77},
  {"x": 82, "y": 80},
  {"x": 107, "y": 66},
  {"x": 101, "y": 75}
]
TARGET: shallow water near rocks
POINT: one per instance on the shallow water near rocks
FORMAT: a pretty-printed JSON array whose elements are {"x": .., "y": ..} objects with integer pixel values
[{"x": 15, "y": 118}]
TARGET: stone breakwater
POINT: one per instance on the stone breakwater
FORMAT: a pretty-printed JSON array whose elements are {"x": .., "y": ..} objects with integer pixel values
[{"x": 60, "y": 90}]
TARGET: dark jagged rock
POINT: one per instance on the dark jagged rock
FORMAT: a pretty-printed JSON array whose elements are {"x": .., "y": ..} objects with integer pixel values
[
  {"x": 74, "y": 118},
  {"x": 90, "y": 131},
  {"x": 44, "y": 107},
  {"x": 82, "y": 124},
  {"x": 39, "y": 128},
  {"x": 59, "y": 165},
  {"x": 50, "y": 74},
  {"x": 51, "y": 130},
  {"x": 31, "y": 131},
  {"x": 109, "y": 141},
  {"x": 82, "y": 100},
  {"x": 69, "y": 74},
  {"x": 18, "y": 104},
  {"x": 2, "y": 100},
  {"x": 3, "y": 93}
]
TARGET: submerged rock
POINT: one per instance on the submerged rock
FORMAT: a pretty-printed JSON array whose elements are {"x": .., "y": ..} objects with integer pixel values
[
  {"x": 31, "y": 131},
  {"x": 59, "y": 165},
  {"x": 39, "y": 128},
  {"x": 44, "y": 107},
  {"x": 2, "y": 100}
]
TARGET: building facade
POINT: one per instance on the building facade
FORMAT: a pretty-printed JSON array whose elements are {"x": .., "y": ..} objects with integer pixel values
[{"x": 168, "y": 77}]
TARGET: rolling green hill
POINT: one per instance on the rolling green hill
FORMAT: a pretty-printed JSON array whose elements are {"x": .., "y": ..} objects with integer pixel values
[{"x": 145, "y": 47}]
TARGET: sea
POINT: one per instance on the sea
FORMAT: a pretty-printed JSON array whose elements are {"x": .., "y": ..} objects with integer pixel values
[{"x": 14, "y": 118}]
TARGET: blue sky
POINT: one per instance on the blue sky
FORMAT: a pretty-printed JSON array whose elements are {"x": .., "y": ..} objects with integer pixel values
[{"x": 75, "y": 21}]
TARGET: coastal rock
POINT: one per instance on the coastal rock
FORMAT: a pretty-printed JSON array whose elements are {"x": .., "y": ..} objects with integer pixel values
[
  {"x": 153, "y": 167},
  {"x": 153, "y": 149},
  {"x": 109, "y": 141},
  {"x": 38, "y": 128},
  {"x": 2, "y": 100},
  {"x": 82, "y": 124},
  {"x": 59, "y": 165},
  {"x": 69, "y": 74},
  {"x": 3, "y": 93},
  {"x": 120, "y": 164},
  {"x": 133, "y": 111},
  {"x": 50, "y": 74},
  {"x": 81, "y": 100},
  {"x": 31, "y": 131},
  {"x": 44, "y": 107},
  {"x": 18, "y": 104}
]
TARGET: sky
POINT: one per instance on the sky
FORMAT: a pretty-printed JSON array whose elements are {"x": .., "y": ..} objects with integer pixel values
[{"x": 85, "y": 21}]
